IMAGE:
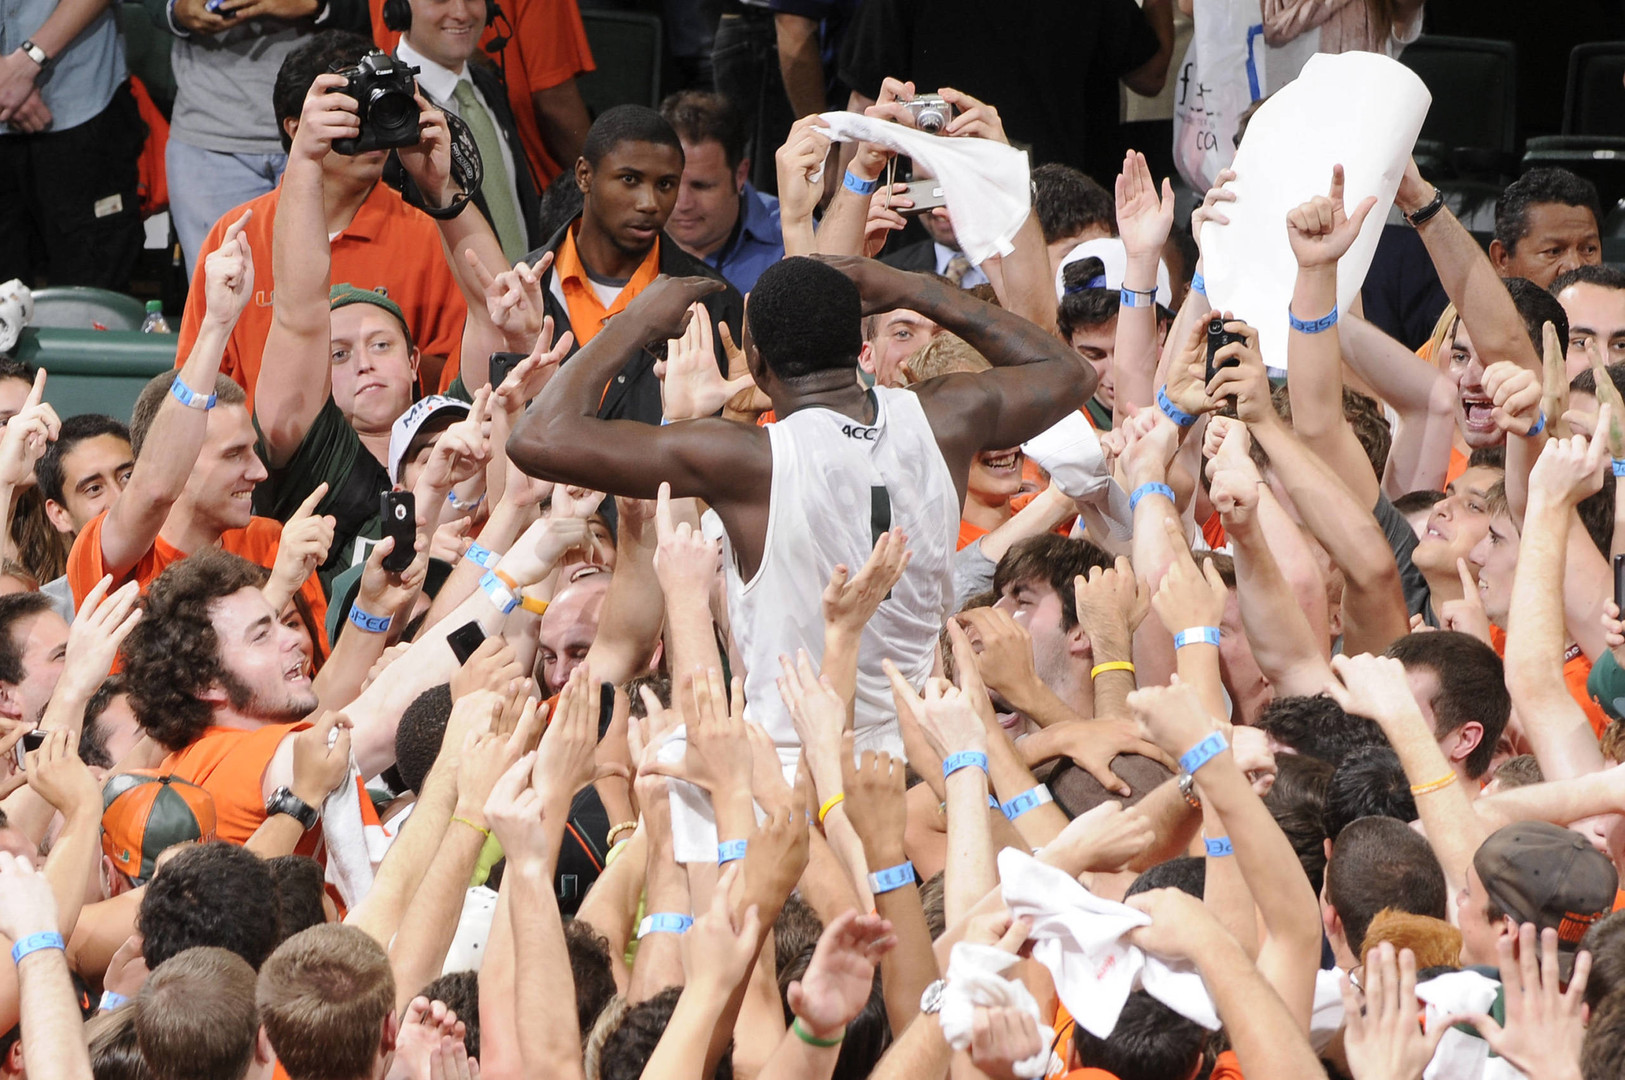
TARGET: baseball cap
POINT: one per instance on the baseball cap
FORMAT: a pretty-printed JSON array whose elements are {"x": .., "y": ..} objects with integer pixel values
[
  {"x": 145, "y": 812},
  {"x": 1113, "y": 258},
  {"x": 410, "y": 422},
  {"x": 345, "y": 294},
  {"x": 1545, "y": 874}
]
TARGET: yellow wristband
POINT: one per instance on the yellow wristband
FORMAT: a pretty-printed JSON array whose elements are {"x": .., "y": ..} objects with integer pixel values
[
  {"x": 1111, "y": 665},
  {"x": 830, "y": 804},
  {"x": 1434, "y": 785},
  {"x": 477, "y": 828},
  {"x": 533, "y": 605}
]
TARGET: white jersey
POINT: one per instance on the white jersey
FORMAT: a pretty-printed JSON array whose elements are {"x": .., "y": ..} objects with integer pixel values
[{"x": 837, "y": 485}]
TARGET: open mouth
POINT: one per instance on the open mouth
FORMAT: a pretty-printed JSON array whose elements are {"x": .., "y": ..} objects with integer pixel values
[
  {"x": 1001, "y": 461},
  {"x": 1479, "y": 413}
]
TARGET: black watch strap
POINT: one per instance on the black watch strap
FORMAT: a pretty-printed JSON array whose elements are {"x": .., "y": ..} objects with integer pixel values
[
  {"x": 1420, "y": 217},
  {"x": 284, "y": 801}
]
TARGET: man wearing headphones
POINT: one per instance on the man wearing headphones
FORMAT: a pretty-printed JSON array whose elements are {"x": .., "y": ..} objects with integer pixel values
[{"x": 438, "y": 37}]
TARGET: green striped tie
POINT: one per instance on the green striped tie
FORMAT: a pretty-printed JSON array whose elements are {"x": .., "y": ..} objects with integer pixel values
[{"x": 498, "y": 186}]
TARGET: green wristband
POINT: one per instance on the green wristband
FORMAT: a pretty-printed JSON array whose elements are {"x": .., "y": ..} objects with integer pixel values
[{"x": 812, "y": 1040}]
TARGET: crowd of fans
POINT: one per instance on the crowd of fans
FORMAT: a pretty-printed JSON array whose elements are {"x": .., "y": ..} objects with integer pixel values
[{"x": 495, "y": 649}]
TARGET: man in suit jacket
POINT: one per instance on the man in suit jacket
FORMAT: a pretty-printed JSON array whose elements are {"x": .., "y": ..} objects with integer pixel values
[{"x": 441, "y": 40}]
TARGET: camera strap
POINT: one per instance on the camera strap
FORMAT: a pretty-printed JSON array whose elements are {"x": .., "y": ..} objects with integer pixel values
[{"x": 467, "y": 172}]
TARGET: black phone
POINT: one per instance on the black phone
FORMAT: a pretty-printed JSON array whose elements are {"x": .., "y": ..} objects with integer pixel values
[
  {"x": 399, "y": 511},
  {"x": 926, "y": 195},
  {"x": 1619, "y": 585},
  {"x": 1217, "y": 338},
  {"x": 502, "y": 365},
  {"x": 33, "y": 740},
  {"x": 606, "y": 708},
  {"x": 465, "y": 639}
]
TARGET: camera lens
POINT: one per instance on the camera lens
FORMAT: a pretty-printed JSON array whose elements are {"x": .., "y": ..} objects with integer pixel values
[
  {"x": 930, "y": 121},
  {"x": 392, "y": 109}
]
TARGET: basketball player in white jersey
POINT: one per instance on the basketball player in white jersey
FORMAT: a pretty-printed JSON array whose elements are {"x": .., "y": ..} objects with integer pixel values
[{"x": 841, "y": 464}]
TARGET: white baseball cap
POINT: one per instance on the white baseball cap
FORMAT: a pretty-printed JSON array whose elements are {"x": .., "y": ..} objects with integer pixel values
[
  {"x": 410, "y": 422},
  {"x": 1114, "y": 257}
]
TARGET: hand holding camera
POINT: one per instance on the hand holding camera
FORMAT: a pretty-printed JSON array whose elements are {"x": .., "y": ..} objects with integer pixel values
[{"x": 329, "y": 117}]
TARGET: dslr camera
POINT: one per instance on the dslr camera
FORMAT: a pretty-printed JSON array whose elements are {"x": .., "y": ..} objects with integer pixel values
[
  {"x": 384, "y": 92},
  {"x": 931, "y": 114}
]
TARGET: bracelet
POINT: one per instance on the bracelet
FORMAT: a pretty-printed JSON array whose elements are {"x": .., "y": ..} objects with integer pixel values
[
  {"x": 1172, "y": 411},
  {"x": 189, "y": 397},
  {"x": 1218, "y": 849},
  {"x": 1312, "y": 326},
  {"x": 664, "y": 922},
  {"x": 1619, "y": 466},
  {"x": 893, "y": 877},
  {"x": 963, "y": 760},
  {"x": 1130, "y": 298},
  {"x": 1203, "y": 752},
  {"x": 1030, "y": 799},
  {"x": 477, "y": 828},
  {"x": 1434, "y": 785},
  {"x": 484, "y": 556},
  {"x": 859, "y": 186},
  {"x": 500, "y": 594},
  {"x": 1197, "y": 635},
  {"x": 1433, "y": 207},
  {"x": 730, "y": 851},
  {"x": 1149, "y": 489},
  {"x": 532, "y": 604},
  {"x": 1198, "y": 284},
  {"x": 829, "y": 804},
  {"x": 110, "y": 1001},
  {"x": 1111, "y": 665},
  {"x": 993, "y": 803},
  {"x": 451, "y": 498},
  {"x": 616, "y": 830},
  {"x": 1537, "y": 427},
  {"x": 808, "y": 1037},
  {"x": 373, "y": 624},
  {"x": 49, "y": 939}
]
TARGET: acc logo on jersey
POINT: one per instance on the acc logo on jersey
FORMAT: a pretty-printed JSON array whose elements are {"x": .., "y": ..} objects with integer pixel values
[{"x": 867, "y": 434}]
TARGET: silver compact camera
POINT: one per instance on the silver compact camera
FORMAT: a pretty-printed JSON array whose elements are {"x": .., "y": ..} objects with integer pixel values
[{"x": 930, "y": 112}]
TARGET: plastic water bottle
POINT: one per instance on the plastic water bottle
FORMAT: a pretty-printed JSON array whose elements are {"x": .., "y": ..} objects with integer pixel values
[{"x": 154, "y": 322}]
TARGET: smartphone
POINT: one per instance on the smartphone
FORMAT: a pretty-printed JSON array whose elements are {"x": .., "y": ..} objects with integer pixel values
[
  {"x": 502, "y": 364},
  {"x": 1217, "y": 338},
  {"x": 606, "y": 708},
  {"x": 926, "y": 195},
  {"x": 465, "y": 639},
  {"x": 33, "y": 740},
  {"x": 399, "y": 511},
  {"x": 1619, "y": 585}
]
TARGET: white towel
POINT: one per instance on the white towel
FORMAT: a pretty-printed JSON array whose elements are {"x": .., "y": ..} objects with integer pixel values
[
  {"x": 986, "y": 185},
  {"x": 976, "y": 977},
  {"x": 693, "y": 822},
  {"x": 1070, "y": 453},
  {"x": 1461, "y": 1056},
  {"x": 1080, "y": 938},
  {"x": 354, "y": 845}
]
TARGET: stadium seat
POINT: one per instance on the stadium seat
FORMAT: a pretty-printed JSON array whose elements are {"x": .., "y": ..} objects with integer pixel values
[
  {"x": 1593, "y": 139},
  {"x": 1471, "y": 127},
  {"x": 94, "y": 370},
  {"x": 626, "y": 48},
  {"x": 76, "y": 307}
]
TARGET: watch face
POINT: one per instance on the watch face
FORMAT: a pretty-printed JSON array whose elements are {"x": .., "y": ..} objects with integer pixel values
[{"x": 931, "y": 1000}]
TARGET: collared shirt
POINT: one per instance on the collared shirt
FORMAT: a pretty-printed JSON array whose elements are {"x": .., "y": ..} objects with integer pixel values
[
  {"x": 945, "y": 255},
  {"x": 588, "y": 313},
  {"x": 756, "y": 244},
  {"x": 440, "y": 83},
  {"x": 82, "y": 77}
]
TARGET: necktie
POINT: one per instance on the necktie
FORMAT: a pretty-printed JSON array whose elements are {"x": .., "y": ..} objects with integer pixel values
[
  {"x": 957, "y": 268},
  {"x": 498, "y": 186}
]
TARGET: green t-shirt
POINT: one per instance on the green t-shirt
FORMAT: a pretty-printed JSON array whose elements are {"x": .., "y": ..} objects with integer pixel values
[{"x": 331, "y": 451}]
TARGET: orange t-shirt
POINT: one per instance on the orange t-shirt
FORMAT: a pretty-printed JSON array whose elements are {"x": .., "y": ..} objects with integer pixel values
[
  {"x": 1458, "y": 465},
  {"x": 588, "y": 313},
  {"x": 1576, "y": 670},
  {"x": 388, "y": 244},
  {"x": 547, "y": 48},
  {"x": 257, "y": 543},
  {"x": 230, "y": 764}
]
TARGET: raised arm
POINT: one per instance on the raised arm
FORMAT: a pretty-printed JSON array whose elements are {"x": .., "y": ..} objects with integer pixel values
[
  {"x": 52, "y": 1030},
  {"x": 176, "y": 433},
  {"x": 1143, "y": 222}
]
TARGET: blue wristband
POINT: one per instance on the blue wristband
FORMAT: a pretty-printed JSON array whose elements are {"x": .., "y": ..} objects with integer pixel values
[
  {"x": 1203, "y": 752},
  {"x": 730, "y": 850},
  {"x": 665, "y": 922},
  {"x": 963, "y": 760},
  {"x": 1312, "y": 326},
  {"x": 499, "y": 593},
  {"x": 859, "y": 187},
  {"x": 1172, "y": 411},
  {"x": 1030, "y": 799},
  {"x": 110, "y": 1001},
  {"x": 187, "y": 396},
  {"x": 1199, "y": 284},
  {"x": 1197, "y": 635},
  {"x": 893, "y": 877},
  {"x": 1538, "y": 426},
  {"x": 451, "y": 500},
  {"x": 1136, "y": 298},
  {"x": 50, "y": 939},
  {"x": 1148, "y": 489},
  {"x": 1219, "y": 848},
  {"x": 1619, "y": 466},
  {"x": 484, "y": 556},
  {"x": 372, "y": 624}
]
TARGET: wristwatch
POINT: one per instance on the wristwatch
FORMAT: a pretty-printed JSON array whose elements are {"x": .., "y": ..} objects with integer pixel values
[
  {"x": 36, "y": 54},
  {"x": 284, "y": 801},
  {"x": 931, "y": 1000},
  {"x": 1419, "y": 217},
  {"x": 1187, "y": 784}
]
